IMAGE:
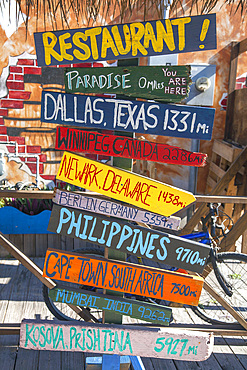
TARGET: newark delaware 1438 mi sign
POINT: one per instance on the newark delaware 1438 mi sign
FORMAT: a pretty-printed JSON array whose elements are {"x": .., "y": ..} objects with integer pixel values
[
  {"x": 123, "y": 41},
  {"x": 123, "y": 185}
]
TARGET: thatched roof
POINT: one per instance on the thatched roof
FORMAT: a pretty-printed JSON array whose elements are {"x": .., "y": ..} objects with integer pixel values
[{"x": 57, "y": 11}]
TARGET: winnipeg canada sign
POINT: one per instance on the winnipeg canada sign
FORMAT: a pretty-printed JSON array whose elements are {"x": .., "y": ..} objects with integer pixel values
[{"x": 85, "y": 141}]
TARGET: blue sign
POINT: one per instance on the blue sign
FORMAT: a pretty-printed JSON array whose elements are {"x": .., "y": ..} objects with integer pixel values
[
  {"x": 130, "y": 40},
  {"x": 126, "y": 115}
]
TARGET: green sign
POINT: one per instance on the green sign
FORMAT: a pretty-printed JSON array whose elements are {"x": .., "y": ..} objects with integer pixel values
[
  {"x": 153, "y": 313},
  {"x": 167, "y": 83}
]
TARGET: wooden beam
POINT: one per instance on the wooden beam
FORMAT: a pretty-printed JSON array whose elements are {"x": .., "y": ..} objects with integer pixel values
[
  {"x": 14, "y": 329},
  {"x": 232, "y": 170},
  {"x": 233, "y": 235},
  {"x": 34, "y": 269},
  {"x": 49, "y": 194},
  {"x": 225, "y": 304}
]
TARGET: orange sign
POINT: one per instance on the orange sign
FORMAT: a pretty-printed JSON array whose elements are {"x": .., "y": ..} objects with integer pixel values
[
  {"x": 123, "y": 277},
  {"x": 122, "y": 185}
]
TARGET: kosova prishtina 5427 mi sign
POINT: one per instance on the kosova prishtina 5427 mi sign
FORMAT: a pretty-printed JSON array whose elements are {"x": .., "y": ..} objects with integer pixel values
[
  {"x": 128, "y": 238},
  {"x": 124, "y": 277},
  {"x": 152, "y": 118},
  {"x": 131, "y": 40},
  {"x": 156, "y": 314},
  {"x": 118, "y": 339},
  {"x": 166, "y": 83},
  {"x": 84, "y": 141},
  {"x": 85, "y": 202},
  {"x": 123, "y": 185}
]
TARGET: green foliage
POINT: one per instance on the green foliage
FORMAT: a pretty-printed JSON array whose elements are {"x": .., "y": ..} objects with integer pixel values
[{"x": 34, "y": 206}]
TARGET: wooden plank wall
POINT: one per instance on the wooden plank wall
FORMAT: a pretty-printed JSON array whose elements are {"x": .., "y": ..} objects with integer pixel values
[{"x": 35, "y": 245}]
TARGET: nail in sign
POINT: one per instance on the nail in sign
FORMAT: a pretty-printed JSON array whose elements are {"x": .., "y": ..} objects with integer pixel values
[
  {"x": 123, "y": 277},
  {"x": 123, "y": 185},
  {"x": 80, "y": 336}
]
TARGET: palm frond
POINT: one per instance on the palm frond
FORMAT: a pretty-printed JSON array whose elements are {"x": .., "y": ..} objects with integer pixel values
[{"x": 57, "y": 13}]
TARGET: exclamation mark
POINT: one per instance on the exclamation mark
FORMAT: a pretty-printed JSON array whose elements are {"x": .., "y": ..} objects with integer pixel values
[{"x": 204, "y": 31}]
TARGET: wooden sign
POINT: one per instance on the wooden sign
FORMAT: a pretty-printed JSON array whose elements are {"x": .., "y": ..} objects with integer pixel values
[
  {"x": 116, "y": 339},
  {"x": 128, "y": 238},
  {"x": 168, "y": 83},
  {"x": 156, "y": 314},
  {"x": 123, "y": 146},
  {"x": 109, "y": 208},
  {"x": 125, "y": 115},
  {"x": 131, "y": 40},
  {"x": 122, "y": 277},
  {"x": 122, "y": 185}
]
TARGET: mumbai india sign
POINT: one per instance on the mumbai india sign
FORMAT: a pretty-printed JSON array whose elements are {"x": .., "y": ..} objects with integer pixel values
[
  {"x": 168, "y": 83},
  {"x": 92, "y": 142},
  {"x": 123, "y": 277},
  {"x": 116, "y": 339},
  {"x": 128, "y": 238},
  {"x": 122, "y": 185},
  {"x": 125, "y": 115},
  {"x": 84, "y": 202},
  {"x": 131, "y": 40},
  {"x": 156, "y": 314}
]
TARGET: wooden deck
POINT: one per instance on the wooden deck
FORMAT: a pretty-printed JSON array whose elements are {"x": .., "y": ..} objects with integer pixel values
[{"x": 21, "y": 297}]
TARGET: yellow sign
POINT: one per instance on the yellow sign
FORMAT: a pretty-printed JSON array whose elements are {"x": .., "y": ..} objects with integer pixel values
[{"x": 123, "y": 185}]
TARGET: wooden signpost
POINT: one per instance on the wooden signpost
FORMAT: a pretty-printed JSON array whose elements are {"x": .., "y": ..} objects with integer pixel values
[
  {"x": 128, "y": 238},
  {"x": 123, "y": 185},
  {"x": 127, "y": 115},
  {"x": 118, "y": 339},
  {"x": 167, "y": 83},
  {"x": 156, "y": 314},
  {"x": 109, "y": 208},
  {"x": 124, "y": 41},
  {"x": 92, "y": 142},
  {"x": 122, "y": 277}
]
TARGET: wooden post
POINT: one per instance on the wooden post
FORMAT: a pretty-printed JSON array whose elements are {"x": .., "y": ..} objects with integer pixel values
[
  {"x": 34, "y": 269},
  {"x": 233, "y": 169}
]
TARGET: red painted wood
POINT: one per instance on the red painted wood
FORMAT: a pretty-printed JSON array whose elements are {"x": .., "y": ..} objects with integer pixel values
[{"x": 84, "y": 141}]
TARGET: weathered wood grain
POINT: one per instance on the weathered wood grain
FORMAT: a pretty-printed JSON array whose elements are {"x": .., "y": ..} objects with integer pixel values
[
  {"x": 123, "y": 185},
  {"x": 149, "y": 312},
  {"x": 128, "y": 238},
  {"x": 85, "y": 202},
  {"x": 84, "y": 141},
  {"x": 117, "y": 339},
  {"x": 122, "y": 276}
]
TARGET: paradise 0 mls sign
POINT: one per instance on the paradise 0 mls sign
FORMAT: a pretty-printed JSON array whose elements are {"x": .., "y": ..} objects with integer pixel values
[
  {"x": 126, "y": 115},
  {"x": 132, "y": 40}
]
